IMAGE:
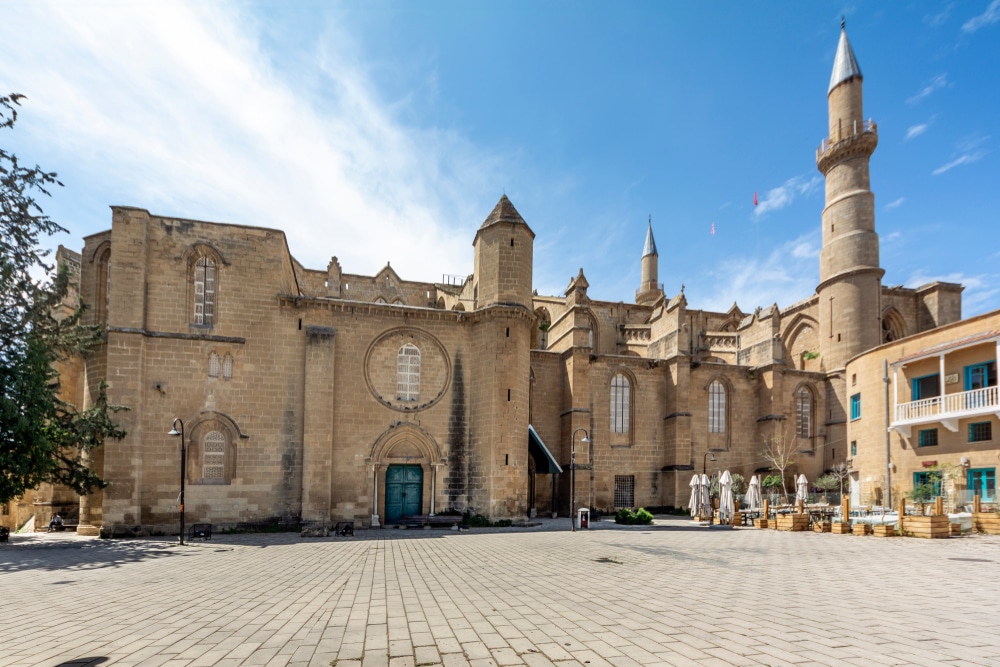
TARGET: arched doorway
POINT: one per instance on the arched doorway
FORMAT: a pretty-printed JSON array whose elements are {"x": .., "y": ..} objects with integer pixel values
[
  {"x": 404, "y": 463},
  {"x": 404, "y": 487}
]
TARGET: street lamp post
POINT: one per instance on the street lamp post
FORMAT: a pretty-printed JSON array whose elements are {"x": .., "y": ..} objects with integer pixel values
[
  {"x": 572, "y": 474},
  {"x": 175, "y": 432},
  {"x": 704, "y": 462}
]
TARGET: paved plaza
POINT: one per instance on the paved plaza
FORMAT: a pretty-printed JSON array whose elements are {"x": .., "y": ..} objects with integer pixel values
[{"x": 669, "y": 594}]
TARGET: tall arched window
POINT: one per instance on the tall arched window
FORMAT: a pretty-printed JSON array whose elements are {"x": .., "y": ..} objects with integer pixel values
[
  {"x": 620, "y": 399},
  {"x": 716, "y": 407},
  {"x": 213, "y": 461},
  {"x": 803, "y": 413},
  {"x": 204, "y": 291},
  {"x": 214, "y": 365},
  {"x": 408, "y": 373},
  {"x": 102, "y": 286}
]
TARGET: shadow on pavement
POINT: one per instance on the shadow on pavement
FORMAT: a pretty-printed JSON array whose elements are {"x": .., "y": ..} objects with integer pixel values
[
  {"x": 84, "y": 662},
  {"x": 82, "y": 555}
]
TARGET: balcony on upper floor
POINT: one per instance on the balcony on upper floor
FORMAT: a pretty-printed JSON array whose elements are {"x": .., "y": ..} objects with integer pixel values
[{"x": 969, "y": 362}]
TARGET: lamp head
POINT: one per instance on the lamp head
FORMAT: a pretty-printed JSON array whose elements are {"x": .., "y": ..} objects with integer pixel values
[
  {"x": 174, "y": 431},
  {"x": 711, "y": 456},
  {"x": 585, "y": 439}
]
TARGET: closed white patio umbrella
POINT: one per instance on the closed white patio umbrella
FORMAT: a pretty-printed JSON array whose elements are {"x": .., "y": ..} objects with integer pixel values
[
  {"x": 801, "y": 488},
  {"x": 754, "y": 500},
  {"x": 704, "y": 498},
  {"x": 725, "y": 498},
  {"x": 695, "y": 494}
]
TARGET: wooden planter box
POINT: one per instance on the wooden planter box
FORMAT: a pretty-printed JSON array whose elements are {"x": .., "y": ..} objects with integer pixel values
[
  {"x": 822, "y": 527},
  {"x": 932, "y": 527},
  {"x": 793, "y": 522},
  {"x": 986, "y": 522},
  {"x": 884, "y": 531},
  {"x": 840, "y": 528},
  {"x": 861, "y": 529},
  {"x": 956, "y": 529},
  {"x": 761, "y": 523}
]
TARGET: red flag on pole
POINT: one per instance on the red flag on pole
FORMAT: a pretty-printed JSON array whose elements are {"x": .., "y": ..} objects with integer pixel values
[
  {"x": 713, "y": 229},
  {"x": 755, "y": 198}
]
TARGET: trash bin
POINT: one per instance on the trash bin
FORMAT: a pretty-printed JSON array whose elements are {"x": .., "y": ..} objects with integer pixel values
[{"x": 582, "y": 518}]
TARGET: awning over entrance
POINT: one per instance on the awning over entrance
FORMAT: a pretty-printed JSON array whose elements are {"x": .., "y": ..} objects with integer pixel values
[{"x": 545, "y": 464}]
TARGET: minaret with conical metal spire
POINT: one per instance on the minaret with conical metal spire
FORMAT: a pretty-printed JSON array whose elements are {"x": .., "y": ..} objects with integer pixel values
[
  {"x": 850, "y": 276},
  {"x": 649, "y": 290}
]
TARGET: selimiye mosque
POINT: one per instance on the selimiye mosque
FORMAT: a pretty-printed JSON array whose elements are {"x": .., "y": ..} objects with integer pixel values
[{"x": 327, "y": 396}]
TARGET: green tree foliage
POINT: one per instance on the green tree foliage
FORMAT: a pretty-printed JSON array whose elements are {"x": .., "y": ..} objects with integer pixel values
[{"x": 42, "y": 438}]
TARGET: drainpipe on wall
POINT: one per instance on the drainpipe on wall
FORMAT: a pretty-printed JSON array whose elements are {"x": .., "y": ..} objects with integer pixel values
[{"x": 888, "y": 464}]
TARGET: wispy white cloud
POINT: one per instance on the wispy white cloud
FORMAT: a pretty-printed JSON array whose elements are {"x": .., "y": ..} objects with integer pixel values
[
  {"x": 893, "y": 236},
  {"x": 916, "y": 131},
  {"x": 895, "y": 203},
  {"x": 937, "y": 83},
  {"x": 782, "y": 196},
  {"x": 988, "y": 17},
  {"x": 939, "y": 19},
  {"x": 969, "y": 151},
  {"x": 785, "y": 276},
  {"x": 967, "y": 158},
  {"x": 181, "y": 109}
]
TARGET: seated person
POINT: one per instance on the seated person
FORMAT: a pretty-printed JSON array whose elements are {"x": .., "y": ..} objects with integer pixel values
[{"x": 55, "y": 523}]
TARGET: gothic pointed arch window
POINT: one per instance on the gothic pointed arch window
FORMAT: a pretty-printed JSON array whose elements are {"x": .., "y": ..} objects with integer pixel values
[
  {"x": 803, "y": 412},
  {"x": 408, "y": 373},
  {"x": 621, "y": 398},
  {"x": 102, "y": 293},
  {"x": 893, "y": 326},
  {"x": 212, "y": 450},
  {"x": 214, "y": 365},
  {"x": 203, "y": 266},
  {"x": 204, "y": 291},
  {"x": 717, "y": 407}
]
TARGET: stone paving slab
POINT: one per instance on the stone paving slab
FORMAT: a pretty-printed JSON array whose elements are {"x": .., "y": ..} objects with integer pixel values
[{"x": 669, "y": 594}]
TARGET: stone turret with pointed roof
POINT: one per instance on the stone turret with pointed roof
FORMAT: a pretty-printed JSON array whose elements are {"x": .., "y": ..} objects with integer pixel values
[
  {"x": 650, "y": 289},
  {"x": 503, "y": 257}
]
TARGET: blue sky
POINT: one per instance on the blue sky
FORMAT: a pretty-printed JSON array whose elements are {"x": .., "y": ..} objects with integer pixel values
[{"x": 387, "y": 131}]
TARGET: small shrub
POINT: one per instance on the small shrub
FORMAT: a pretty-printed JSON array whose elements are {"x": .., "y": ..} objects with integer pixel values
[
  {"x": 640, "y": 517},
  {"x": 475, "y": 521}
]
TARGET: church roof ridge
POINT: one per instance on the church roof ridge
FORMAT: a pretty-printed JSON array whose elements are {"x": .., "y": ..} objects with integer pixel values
[{"x": 845, "y": 65}]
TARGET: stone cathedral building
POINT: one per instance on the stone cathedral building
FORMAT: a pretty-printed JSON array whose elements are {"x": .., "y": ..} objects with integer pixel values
[{"x": 325, "y": 395}]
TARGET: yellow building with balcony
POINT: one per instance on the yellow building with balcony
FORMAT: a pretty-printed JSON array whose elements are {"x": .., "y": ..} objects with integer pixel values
[{"x": 925, "y": 410}]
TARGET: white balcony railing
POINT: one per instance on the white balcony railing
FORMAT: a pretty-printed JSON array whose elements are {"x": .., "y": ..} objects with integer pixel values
[{"x": 948, "y": 407}]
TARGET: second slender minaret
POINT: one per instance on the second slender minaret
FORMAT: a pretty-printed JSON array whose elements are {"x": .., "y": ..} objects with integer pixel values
[
  {"x": 850, "y": 276},
  {"x": 649, "y": 289}
]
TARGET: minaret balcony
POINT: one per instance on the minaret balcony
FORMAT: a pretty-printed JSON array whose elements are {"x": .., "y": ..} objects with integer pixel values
[{"x": 856, "y": 138}]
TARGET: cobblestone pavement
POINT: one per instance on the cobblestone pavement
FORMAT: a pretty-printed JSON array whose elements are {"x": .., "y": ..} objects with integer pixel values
[{"x": 670, "y": 594}]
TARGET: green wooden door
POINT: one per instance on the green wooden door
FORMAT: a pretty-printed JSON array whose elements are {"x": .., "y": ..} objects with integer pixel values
[{"x": 404, "y": 486}]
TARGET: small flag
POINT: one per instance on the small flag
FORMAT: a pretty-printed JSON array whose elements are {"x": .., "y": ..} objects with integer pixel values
[
  {"x": 754, "y": 198},
  {"x": 713, "y": 229}
]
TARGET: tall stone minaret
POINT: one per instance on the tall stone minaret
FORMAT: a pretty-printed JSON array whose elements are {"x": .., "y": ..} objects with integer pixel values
[
  {"x": 649, "y": 290},
  {"x": 849, "y": 273}
]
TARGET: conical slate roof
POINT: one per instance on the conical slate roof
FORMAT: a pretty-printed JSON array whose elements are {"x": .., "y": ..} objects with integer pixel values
[
  {"x": 504, "y": 211},
  {"x": 845, "y": 65},
  {"x": 650, "y": 247}
]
